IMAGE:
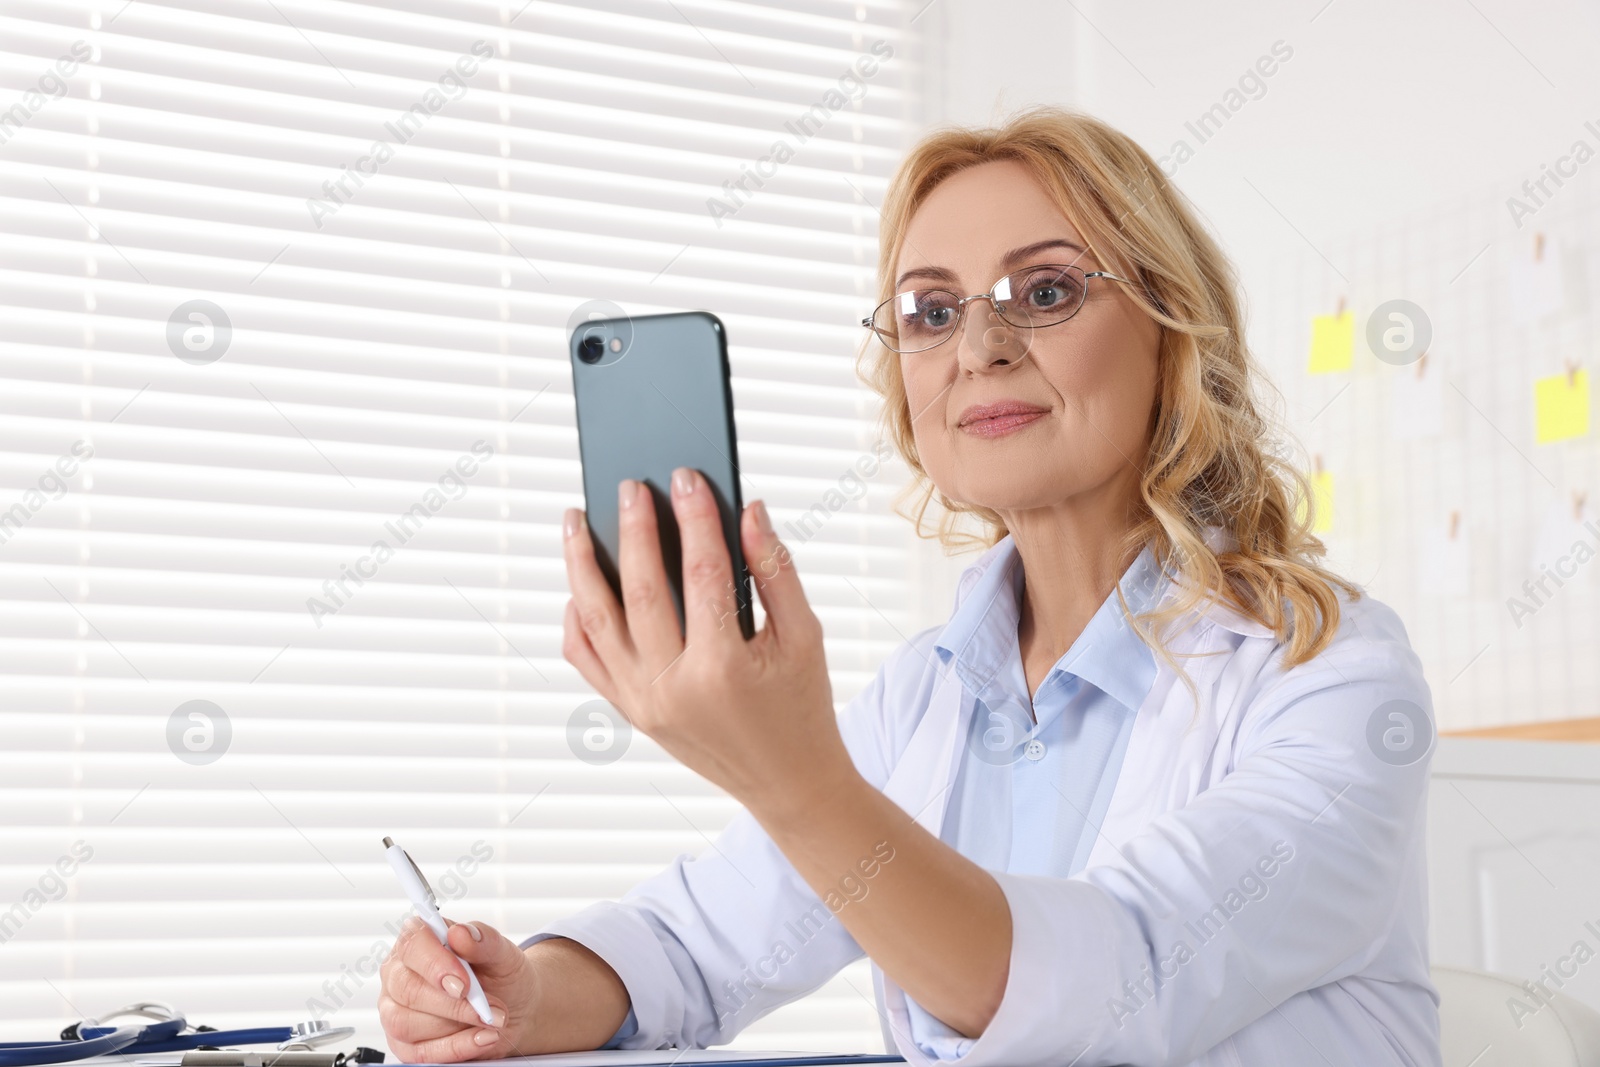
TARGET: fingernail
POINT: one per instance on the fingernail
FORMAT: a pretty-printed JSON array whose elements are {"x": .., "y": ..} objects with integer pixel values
[
  {"x": 472, "y": 928},
  {"x": 497, "y": 1016},
  {"x": 485, "y": 1037},
  {"x": 569, "y": 523},
  {"x": 453, "y": 985},
  {"x": 763, "y": 520},
  {"x": 683, "y": 481},
  {"x": 627, "y": 491}
]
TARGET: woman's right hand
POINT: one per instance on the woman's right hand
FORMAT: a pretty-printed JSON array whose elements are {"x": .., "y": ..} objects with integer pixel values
[{"x": 423, "y": 1005}]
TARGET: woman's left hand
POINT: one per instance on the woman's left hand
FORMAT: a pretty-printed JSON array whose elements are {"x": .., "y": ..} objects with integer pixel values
[{"x": 755, "y": 717}]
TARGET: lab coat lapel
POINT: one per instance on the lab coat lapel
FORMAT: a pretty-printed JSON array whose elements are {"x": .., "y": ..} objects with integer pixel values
[
  {"x": 1173, "y": 745},
  {"x": 920, "y": 782}
]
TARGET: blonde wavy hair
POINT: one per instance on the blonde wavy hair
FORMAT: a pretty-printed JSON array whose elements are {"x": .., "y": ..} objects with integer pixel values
[{"x": 1211, "y": 460}]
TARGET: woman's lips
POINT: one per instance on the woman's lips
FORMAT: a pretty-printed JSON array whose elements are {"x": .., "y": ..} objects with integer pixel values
[{"x": 997, "y": 420}]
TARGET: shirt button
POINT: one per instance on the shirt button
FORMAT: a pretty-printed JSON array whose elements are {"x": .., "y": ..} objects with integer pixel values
[{"x": 1034, "y": 750}]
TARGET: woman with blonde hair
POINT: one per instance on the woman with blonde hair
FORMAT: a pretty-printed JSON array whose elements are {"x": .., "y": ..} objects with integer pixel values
[{"x": 1152, "y": 795}]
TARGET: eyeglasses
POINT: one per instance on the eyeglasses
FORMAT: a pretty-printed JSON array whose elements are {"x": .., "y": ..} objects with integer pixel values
[{"x": 1044, "y": 295}]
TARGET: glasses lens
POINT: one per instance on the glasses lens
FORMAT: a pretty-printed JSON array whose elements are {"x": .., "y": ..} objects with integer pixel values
[
  {"x": 915, "y": 320},
  {"x": 1042, "y": 296}
]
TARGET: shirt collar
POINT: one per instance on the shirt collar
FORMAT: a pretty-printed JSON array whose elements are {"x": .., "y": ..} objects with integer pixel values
[
  {"x": 1220, "y": 541},
  {"x": 1216, "y": 538},
  {"x": 981, "y": 635}
]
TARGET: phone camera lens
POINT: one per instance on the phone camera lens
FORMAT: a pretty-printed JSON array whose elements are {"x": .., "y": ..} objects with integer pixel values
[{"x": 591, "y": 349}]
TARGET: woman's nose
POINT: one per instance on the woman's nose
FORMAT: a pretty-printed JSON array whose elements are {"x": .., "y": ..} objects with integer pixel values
[{"x": 987, "y": 340}]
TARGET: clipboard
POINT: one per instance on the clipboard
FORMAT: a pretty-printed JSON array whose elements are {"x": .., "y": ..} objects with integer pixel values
[{"x": 687, "y": 1058}]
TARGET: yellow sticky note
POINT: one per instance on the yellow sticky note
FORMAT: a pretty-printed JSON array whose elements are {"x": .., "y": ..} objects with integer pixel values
[
  {"x": 1322, "y": 485},
  {"x": 1322, "y": 492},
  {"x": 1333, "y": 339},
  {"x": 1561, "y": 407}
]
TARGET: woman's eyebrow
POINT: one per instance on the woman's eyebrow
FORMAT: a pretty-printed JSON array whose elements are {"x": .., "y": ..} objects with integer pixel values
[
  {"x": 1039, "y": 246},
  {"x": 943, "y": 274},
  {"x": 938, "y": 274}
]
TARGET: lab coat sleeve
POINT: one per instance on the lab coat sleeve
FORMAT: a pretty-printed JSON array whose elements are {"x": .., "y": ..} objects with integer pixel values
[
  {"x": 1284, "y": 876},
  {"x": 711, "y": 944}
]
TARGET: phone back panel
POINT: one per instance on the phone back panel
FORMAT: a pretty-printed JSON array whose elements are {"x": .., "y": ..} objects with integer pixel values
[{"x": 664, "y": 401}]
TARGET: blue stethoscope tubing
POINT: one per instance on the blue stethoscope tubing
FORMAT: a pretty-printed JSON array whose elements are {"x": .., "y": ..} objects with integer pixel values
[
  {"x": 164, "y": 1035},
  {"x": 96, "y": 1041},
  {"x": 148, "y": 1042},
  {"x": 22, "y": 1054}
]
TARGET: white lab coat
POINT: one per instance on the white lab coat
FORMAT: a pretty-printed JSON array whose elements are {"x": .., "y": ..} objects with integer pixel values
[{"x": 1257, "y": 853}]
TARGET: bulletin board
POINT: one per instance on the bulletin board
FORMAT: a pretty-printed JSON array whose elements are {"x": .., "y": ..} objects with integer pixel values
[{"x": 1460, "y": 489}]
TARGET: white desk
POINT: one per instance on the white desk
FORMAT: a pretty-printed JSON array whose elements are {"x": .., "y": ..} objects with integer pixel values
[{"x": 1514, "y": 859}]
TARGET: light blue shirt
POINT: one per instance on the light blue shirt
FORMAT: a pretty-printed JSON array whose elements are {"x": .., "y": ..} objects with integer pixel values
[{"x": 1036, "y": 777}]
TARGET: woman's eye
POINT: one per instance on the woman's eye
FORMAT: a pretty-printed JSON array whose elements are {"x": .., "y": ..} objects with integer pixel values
[
  {"x": 929, "y": 314},
  {"x": 1049, "y": 290}
]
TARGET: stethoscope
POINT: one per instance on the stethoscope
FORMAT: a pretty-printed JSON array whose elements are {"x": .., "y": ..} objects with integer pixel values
[{"x": 165, "y": 1033}]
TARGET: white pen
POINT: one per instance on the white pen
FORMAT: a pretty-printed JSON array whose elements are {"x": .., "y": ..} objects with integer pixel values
[{"x": 427, "y": 908}]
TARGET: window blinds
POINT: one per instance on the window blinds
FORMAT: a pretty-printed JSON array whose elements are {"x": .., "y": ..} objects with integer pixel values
[{"x": 287, "y": 434}]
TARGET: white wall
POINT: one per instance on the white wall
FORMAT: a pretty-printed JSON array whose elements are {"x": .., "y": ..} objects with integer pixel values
[{"x": 1384, "y": 110}]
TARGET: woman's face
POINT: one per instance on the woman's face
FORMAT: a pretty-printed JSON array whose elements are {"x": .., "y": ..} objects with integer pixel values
[{"x": 1082, "y": 391}]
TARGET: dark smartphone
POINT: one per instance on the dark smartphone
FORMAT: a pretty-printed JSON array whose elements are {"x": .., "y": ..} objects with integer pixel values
[{"x": 652, "y": 394}]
